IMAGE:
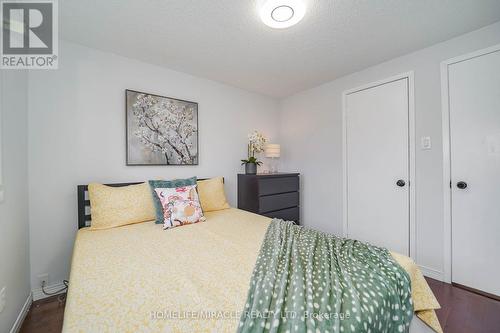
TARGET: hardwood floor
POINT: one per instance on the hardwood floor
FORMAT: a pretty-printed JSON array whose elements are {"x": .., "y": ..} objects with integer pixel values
[
  {"x": 44, "y": 316},
  {"x": 461, "y": 312},
  {"x": 465, "y": 312}
]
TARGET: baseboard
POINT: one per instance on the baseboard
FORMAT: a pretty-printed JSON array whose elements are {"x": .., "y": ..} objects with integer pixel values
[
  {"x": 38, "y": 293},
  {"x": 20, "y": 318},
  {"x": 432, "y": 273}
]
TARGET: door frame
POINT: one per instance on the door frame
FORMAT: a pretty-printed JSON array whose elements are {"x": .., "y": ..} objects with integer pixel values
[
  {"x": 411, "y": 152},
  {"x": 446, "y": 128}
]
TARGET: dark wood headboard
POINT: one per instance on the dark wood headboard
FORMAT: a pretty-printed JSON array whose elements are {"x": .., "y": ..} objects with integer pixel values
[{"x": 84, "y": 216}]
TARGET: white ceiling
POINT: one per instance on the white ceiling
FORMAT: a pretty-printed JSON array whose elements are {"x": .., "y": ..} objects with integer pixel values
[{"x": 224, "y": 40}]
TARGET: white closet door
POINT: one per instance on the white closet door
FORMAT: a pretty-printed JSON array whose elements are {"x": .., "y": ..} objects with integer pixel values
[
  {"x": 377, "y": 154},
  {"x": 474, "y": 105}
]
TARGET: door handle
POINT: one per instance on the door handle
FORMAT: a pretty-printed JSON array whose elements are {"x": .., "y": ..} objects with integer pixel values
[
  {"x": 400, "y": 183},
  {"x": 462, "y": 185}
]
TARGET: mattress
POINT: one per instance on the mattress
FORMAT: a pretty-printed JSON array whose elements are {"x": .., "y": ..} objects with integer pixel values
[{"x": 195, "y": 278}]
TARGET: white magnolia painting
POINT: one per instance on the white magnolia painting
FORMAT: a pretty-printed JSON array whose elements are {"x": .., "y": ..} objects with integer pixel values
[{"x": 161, "y": 130}]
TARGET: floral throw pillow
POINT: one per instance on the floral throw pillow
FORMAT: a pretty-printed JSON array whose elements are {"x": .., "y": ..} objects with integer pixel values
[{"x": 180, "y": 206}]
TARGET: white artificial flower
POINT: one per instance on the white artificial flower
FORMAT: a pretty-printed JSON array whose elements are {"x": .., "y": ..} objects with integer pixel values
[{"x": 256, "y": 142}]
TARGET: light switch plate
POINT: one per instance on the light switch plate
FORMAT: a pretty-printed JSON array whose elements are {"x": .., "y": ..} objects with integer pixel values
[
  {"x": 1, "y": 196},
  {"x": 425, "y": 143},
  {"x": 3, "y": 299}
]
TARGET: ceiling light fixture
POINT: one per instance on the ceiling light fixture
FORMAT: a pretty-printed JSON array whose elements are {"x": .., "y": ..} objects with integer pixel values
[{"x": 282, "y": 14}]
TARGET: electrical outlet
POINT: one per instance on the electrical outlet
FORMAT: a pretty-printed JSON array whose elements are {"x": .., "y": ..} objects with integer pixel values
[
  {"x": 3, "y": 299},
  {"x": 425, "y": 143},
  {"x": 43, "y": 280}
]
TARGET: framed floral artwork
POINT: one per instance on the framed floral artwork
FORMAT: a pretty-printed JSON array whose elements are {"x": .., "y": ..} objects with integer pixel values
[{"x": 160, "y": 130}]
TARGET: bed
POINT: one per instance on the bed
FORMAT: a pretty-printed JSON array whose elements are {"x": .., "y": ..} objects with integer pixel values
[{"x": 139, "y": 278}]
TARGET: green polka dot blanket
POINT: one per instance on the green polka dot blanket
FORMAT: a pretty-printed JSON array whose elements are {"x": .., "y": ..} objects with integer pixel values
[{"x": 308, "y": 281}]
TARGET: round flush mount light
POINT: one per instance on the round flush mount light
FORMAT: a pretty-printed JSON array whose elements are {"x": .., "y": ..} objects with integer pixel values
[{"x": 282, "y": 14}]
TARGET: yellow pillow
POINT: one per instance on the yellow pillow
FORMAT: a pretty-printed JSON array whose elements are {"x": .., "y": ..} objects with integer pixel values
[
  {"x": 116, "y": 206},
  {"x": 212, "y": 195}
]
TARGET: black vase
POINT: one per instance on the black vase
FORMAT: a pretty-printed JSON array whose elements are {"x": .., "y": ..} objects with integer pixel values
[{"x": 250, "y": 168}]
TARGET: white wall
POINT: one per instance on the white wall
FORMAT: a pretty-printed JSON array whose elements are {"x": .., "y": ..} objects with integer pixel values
[
  {"x": 14, "y": 226},
  {"x": 311, "y": 134},
  {"x": 77, "y": 135}
]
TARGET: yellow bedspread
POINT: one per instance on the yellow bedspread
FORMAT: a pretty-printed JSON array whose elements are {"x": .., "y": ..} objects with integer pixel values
[{"x": 195, "y": 278}]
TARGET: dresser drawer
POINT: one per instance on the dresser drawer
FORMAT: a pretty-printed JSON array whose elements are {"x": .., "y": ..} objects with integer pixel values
[
  {"x": 289, "y": 214},
  {"x": 269, "y": 186},
  {"x": 272, "y": 195},
  {"x": 279, "y": 201}
]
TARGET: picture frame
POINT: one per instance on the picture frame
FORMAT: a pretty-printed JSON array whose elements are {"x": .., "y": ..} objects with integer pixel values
[{"x": 160, "y": 130}]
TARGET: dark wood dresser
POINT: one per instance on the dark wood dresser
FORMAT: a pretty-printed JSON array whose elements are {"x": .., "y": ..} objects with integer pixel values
[{"x": 270, "y": 194}]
